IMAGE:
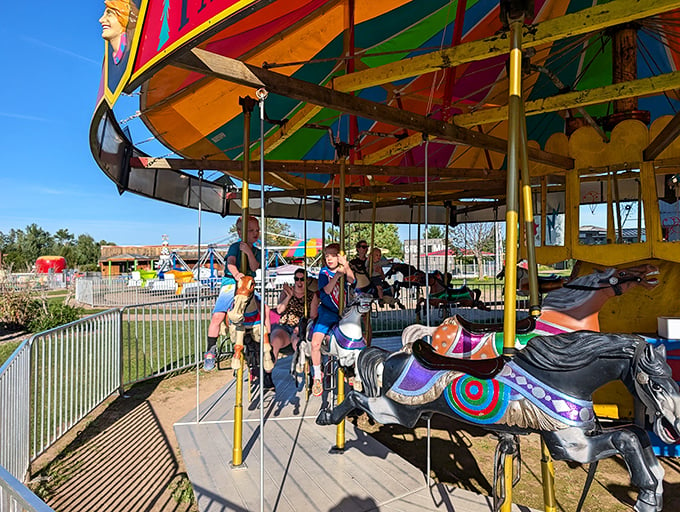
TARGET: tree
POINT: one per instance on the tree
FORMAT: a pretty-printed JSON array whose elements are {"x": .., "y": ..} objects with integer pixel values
[
  {"x": 63, "y": 237},
  {"x": 476, "y": 238},
  {"x": 386, "y": 237},
  {"x": 35, "y": 242},
  {"x": 278, "y": 233},
  {"x": 86, "y": 251},
  {"x": 435, "y": 232}
]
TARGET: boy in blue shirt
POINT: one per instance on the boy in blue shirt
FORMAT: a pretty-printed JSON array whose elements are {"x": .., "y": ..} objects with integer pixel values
[{"x": 329, "y": 312}]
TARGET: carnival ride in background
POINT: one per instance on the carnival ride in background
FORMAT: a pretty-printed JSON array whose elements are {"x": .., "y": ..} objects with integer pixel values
[{"x": 418, "y": 112}]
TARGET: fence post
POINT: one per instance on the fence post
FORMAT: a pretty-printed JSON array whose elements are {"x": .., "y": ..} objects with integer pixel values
[{"x": 121, "y": 389}]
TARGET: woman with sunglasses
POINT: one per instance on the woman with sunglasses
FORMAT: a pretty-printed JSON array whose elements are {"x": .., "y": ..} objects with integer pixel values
[{"x": 291, "y": 307}]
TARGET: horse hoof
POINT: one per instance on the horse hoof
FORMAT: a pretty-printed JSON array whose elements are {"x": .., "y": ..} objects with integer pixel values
[{"x": 324, "y": 417}]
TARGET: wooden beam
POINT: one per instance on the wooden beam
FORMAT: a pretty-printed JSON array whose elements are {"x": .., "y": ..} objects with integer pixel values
[
  {"x": 588, "y": 20},
  {"x": 233, "y": 70},
  {"x": 575, "y": 99},
  {"x": 478, "y": 188},
  {"x": 663, "y": 139},
  {"x": 315, "y": 167}
]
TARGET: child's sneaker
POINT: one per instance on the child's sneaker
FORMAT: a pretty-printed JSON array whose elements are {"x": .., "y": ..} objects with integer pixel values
[
  {"x": 317, "y": 387},
  {"x": 268, "y": 383},
  {"x": 209, "y": 361}
]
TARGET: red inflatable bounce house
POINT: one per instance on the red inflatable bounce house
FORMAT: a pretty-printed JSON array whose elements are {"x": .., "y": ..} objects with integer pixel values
[{"x": 44, "y": 263}]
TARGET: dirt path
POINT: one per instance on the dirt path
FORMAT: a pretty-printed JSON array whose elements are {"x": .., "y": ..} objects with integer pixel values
[{"x": 126, "y": 458}]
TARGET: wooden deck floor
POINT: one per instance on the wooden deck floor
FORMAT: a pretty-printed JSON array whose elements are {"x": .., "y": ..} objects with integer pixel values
[{"x": 300, "y": 473}]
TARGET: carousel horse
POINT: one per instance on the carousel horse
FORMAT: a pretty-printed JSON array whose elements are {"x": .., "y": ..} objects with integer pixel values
[
  {"x": 546, "y": 284},
  {"x": 546, "y": 388},
  {"x": 573, "y": 307},
  {"x": 344, "y": 341},
  {"x": 365, "y": 285},
  {"x": 243, "y": 316},
  {"x": 445, "y": 297}
]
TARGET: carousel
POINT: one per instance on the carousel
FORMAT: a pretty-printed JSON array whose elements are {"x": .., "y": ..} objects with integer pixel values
[{"x": 558, "y": 117}]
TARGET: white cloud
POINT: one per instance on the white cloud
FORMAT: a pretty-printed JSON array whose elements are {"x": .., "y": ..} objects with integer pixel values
[{"x": 61, "y": 50}]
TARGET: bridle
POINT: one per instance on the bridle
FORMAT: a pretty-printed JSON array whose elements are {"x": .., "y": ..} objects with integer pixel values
[{"x": 607, "y": 282}]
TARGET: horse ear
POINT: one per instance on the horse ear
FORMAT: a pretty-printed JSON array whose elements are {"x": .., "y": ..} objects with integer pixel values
[{"x": 661, "y": 351}]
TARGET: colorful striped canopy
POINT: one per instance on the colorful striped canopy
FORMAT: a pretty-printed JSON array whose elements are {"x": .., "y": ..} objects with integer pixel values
[{"x": 382, "y": 76}]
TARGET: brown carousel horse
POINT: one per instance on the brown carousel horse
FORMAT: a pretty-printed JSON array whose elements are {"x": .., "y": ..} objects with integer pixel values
[
  {"x": 245, "y": 317},
  {"x": 573, "y": 307}
]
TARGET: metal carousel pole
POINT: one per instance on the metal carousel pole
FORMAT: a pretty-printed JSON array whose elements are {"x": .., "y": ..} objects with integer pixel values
[
  {"x": 247, "y": 104},
  {"x": 343, "y": 153}
]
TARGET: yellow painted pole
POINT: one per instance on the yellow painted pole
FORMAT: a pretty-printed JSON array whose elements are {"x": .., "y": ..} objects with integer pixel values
[
  {"x": 343, "y": 151},
  {"x": 237, "y": 451},
  {"x": 548, "y": 477},
  {"x": 527, "y": 209},
  {"x": 611, "y": 232},
  {"x": 512, "y": 216}
]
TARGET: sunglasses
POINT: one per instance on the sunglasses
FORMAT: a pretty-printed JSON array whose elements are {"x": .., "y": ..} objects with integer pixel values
[
  {"x": 363, "y": 246},
  {"x": 299, "y": 278}
]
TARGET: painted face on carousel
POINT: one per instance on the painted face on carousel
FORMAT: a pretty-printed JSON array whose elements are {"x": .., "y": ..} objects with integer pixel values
[{"x": 114, "y": 22}]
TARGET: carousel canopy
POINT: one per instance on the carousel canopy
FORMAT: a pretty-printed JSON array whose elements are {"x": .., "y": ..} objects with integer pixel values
[{"x": 412, "y": 95}]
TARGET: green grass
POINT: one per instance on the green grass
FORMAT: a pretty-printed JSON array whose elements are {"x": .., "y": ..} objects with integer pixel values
[{"x": 6, "y": 350}]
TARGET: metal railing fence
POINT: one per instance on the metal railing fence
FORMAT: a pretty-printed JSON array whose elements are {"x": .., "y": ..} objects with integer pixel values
[
  {"x": 56, "y": 378},
  {"x": 16, "y": 497},
  {"x": 74, "y": 368},
  {"x": 121, "y": 291},
  {"x": 163, "y": 337}
]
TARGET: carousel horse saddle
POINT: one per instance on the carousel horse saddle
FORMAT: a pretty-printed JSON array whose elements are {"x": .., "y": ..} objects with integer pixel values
[
  {"x": 480, "y": 368},
  {"x": 524, "y": 326},
  {"x": 547, "y": 283}
]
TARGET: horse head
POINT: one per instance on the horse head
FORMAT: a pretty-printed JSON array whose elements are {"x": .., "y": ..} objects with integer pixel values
[
  {"x": 361, "y": 302},
  {"x": 589, "y": 292},
  {"x": 245, "y": 287},
  {"x": 621, "y": 280},
  {"x": 655, "y": 387}
]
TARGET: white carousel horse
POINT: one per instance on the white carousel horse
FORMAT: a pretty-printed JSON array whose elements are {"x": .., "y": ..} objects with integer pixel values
[{"x": 344, "y": 341}]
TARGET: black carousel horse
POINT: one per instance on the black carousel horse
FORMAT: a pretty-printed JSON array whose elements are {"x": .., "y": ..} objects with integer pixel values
[
  {"x": 546, "y": 388},
  {"x": 546, "y": 284},
  {"x": 443, "y": 296}
]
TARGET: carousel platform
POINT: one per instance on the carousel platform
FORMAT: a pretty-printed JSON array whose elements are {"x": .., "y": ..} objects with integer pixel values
[{"x": 300, "y": 472}]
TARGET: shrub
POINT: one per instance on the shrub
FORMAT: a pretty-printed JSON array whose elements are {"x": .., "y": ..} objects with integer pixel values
[
  {"x": 53, "y": 315},
  {"x": 17, "y": 308}
]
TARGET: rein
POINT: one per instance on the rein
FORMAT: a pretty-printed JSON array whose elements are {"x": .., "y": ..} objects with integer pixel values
[{"x": 611, "y": 282}]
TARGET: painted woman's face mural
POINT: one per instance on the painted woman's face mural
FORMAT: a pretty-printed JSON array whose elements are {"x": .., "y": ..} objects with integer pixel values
[{"x": 114, "y": 22}]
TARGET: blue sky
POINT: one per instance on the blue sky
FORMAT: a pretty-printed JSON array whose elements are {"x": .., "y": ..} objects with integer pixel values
[{"x": 52, "y": 65}]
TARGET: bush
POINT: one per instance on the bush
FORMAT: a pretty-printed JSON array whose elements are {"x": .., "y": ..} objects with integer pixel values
[
  {"x": 21, "y": 310},
  {"x": 17, "y": 309},
  {"x": 54, "y": 315}
]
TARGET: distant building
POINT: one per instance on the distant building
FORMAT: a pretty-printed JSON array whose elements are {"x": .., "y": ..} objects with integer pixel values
[
  {"x": 595, "y": 235},
  {"x": 123, "y": 259}
]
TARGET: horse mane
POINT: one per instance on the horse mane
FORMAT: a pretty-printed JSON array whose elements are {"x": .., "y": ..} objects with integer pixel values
[
  {"x": 565, "y": 298},
  {"x": 574, "y": 350}
]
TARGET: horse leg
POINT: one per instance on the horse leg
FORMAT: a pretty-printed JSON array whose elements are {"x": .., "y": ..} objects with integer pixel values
[
  {"x": 268, "y": 363},
  {"x": 629, "y": 441},
  {"x": 237, "y": 334}
]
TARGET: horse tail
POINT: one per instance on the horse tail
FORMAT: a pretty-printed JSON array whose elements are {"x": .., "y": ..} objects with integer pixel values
[{"x": 367, "y": 365}]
